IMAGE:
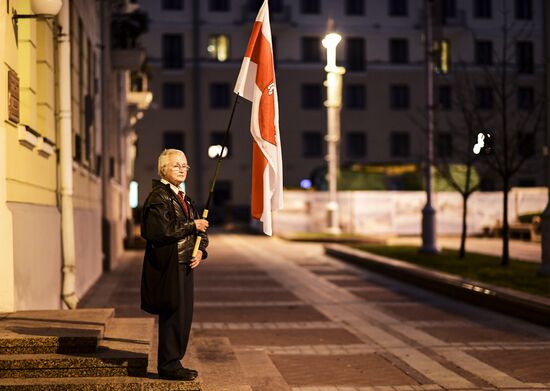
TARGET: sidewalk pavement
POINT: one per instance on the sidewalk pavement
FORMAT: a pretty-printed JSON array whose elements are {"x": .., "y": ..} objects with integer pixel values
[
  {"x": 276, "y": 315},
  {"x": 519, "y": 249}
]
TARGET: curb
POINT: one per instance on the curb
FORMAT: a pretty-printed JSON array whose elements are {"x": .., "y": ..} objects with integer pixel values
[{"x": 526, "y": 306}]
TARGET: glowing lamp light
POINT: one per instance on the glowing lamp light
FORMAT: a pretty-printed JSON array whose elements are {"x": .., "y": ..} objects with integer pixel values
[
  {"x": 305, "y": 184},
  {"x": 214, "y": 151},
  {"x": 330, "y": 42},
  {"x": 133, "y": 194}
]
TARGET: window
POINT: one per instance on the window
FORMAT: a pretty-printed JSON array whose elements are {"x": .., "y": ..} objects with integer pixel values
[
  {"x": 526, "y": 98},
  {"x": 526, "y": 144},
  {"x": 445, "y": 98},
  {"x": 443, "y": 56},
  {"x": 355, "y": 54},
  {"x": 173, "y": 139},
  {"x": 218, "y": 47},
  {"x": 312, "y": 144},
  {"x": 444, "y": 146},
  {"x": 275, "y": 6},
  {"x": 399, "y": 51},
  {"x": 312, "y": 96},
  {"x": 484, "y": 98},
  {"x": 400, "y": 144},
  {"x": 219, "y": 95},
  {"x": 483, "y": 52},
  {"x": 172, "y": 5},
  {"x": 356, "y": 96},
  {"x": 356, "y": 144},
  {"x": 311, "y": 49},
  {"x": 524, "y": 9},
  {"x": 223, "y": 193},
  {"x": 172, "y": 51},
  {"x": 524, "y": 57},
  {"x": 355, "y": 7},
  {"x": 216, "y": 138},
  {"x": 172, "y": 95},
  {"x": 448, "y": 9},
  {"x": 482, "y": 9},
  {"x": 398, "y": 8},
  {"x": 310, "y": 6},
  {"x": 399, "y": 97},
  {"x": 218, "y": 5}
]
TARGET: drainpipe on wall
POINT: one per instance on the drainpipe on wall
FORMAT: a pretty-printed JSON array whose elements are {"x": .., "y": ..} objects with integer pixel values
[{"x": 66, "y": 160}]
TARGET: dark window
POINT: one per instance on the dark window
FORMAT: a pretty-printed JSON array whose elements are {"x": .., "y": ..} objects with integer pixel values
[
  {"x": 172, "y": 51},
  {"x": 526, "y": 98},
  {"x": 526, "y": 144},
  {"x": 355, "y": 7},
  {"x": 524, "y": 9},
  {"x": 445, "y": 98},
  {"x": 444, "y": 146},
  {"x": 524, "y": 57},
  {"x": 310, "y": 6},
  {"x": 312, "y": 96},
  {"x": 399, "y": 51},
  {"x": 275, "y": 6},
  {"x": 399, "y": 97},
  {"x": 482, "y": 9},
  {"x": 219, "y": 95},
  {"x": 398, "y": 8},
  {"x": 223, "y": 193},
  {"x": 448, "y": 9},
  {"x": 311, "y": 49},
  {"x": 399, "y": 144},
  {"x": 172, "y": 4},
  {"x": 218, "y": 5},
  {"x": 356, "y": 96},
  {"x": 312, "y": 144},
  {"x": 484, "y": 52},
  {"x": 172, "y": 95},
  {"x": 173, "y": 139},
  {"x": 527, "y": 182},
  {"x": 356, "y": 144},
  {"x": 355, "y": 54},
  {"x": 484, "y": 98},
  {"x": 216, "y": 138}
]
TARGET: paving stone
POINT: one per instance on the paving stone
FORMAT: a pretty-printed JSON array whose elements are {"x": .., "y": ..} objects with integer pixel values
[
  {"x": 282, "y": 337},
  {"x": 358, "y": 370},
  {"x": 237, "y": 296},
  {"x": 477, "y": 334},
  {"x": 303, "y": 313},
  {"x": 530, "y": 366},
  {"x": 421, "y": 312}
]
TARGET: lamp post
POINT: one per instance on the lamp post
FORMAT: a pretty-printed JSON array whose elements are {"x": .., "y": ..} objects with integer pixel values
[
  {"x": 428, "y": 212},
  {"x": 333, "y": 105}
]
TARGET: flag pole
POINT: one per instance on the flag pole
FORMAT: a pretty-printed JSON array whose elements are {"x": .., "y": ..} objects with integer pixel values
[{"x": 218, "y": 164}]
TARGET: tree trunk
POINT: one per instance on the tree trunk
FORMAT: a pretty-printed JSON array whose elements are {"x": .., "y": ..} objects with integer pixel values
[
  {"x": 505, "y": 229},
  {"x": 462, "y": 252}
]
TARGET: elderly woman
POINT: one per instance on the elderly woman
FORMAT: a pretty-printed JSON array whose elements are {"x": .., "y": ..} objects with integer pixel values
[{"x": 170, "y": 225}]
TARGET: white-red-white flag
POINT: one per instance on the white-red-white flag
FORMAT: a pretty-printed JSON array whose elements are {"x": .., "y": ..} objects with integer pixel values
[{"x": 256, "y": 82}]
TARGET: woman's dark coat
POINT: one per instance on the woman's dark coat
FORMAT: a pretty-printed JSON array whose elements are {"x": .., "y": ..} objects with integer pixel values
[{"x": 170, "y": 237}]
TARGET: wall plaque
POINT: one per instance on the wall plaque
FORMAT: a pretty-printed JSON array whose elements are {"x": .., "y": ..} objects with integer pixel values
[{"x": 13, "y": 96}]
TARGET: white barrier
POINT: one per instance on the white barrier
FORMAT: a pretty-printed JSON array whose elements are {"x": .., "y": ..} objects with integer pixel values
[{"x": 400, "y": 212}]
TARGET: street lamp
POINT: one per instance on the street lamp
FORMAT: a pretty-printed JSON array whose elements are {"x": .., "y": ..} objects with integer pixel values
[{"x": 333, "y": 105}]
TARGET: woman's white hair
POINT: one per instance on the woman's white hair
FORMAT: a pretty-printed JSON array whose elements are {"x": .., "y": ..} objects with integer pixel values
[{"x": 165, "y": 157}]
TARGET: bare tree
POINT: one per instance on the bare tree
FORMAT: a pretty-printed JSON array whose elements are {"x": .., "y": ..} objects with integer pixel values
[{"x": 514, "y": 130}]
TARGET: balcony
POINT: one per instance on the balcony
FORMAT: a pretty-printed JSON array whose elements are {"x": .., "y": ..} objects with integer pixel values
[
  {"x": 138, "y": 93},
  {"x": 127, "y": 59}
]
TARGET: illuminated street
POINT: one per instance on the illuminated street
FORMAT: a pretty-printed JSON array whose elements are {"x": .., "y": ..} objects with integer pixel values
[{"x": 277, "y": 315}]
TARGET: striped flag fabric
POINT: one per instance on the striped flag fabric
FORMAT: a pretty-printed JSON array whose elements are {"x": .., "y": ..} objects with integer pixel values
[{"x": 256, "y": 83}]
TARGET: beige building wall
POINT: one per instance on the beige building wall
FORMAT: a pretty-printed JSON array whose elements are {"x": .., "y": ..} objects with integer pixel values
[{"x": 377, "y": 121}]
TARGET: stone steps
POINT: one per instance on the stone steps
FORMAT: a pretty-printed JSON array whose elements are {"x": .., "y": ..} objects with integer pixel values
[
  {"x": 42, "y": 332},
  {"x": 97, "y": 384},
  {"x": 78, "y": 350}
]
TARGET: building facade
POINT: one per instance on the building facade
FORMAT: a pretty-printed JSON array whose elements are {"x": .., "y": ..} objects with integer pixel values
[
  {"x": 65, "y": 111},
  {"x": 195, "y": 51}
]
